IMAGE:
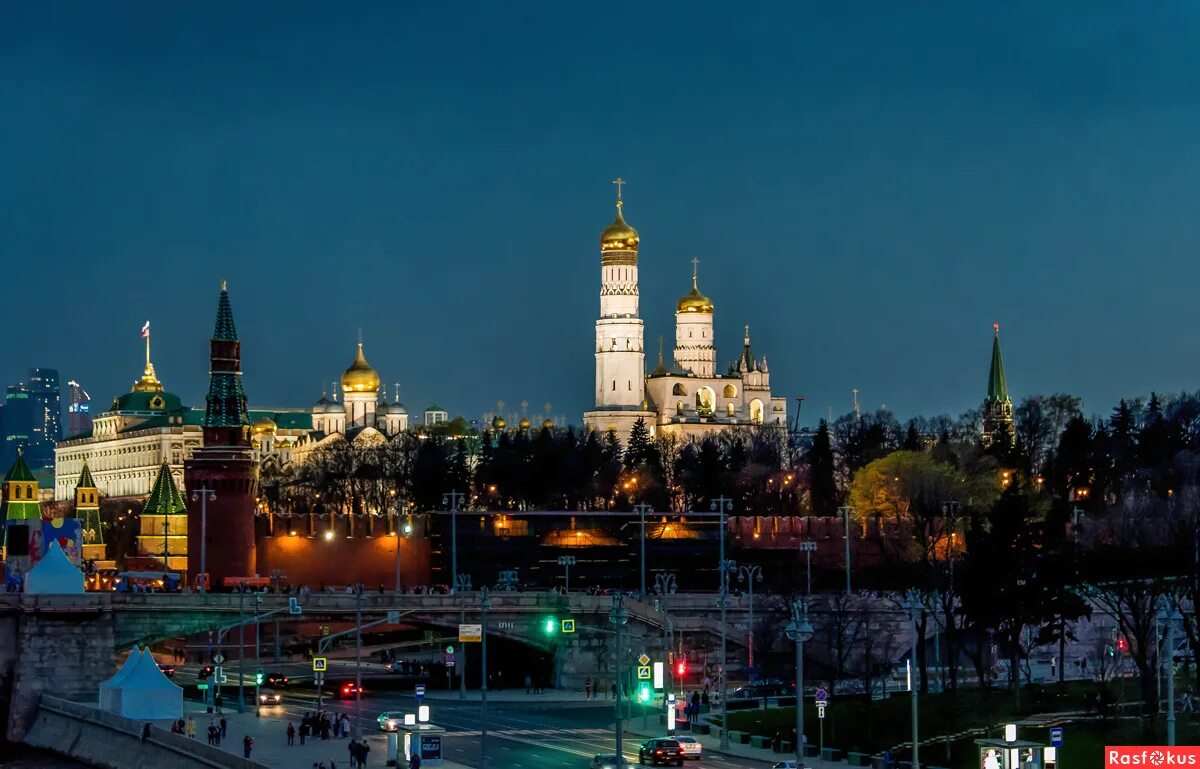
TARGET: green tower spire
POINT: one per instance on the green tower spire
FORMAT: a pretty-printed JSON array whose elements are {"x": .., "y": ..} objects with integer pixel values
[
  {"x": 165, "y": 498},
  {"x": 997, "y": 391}
]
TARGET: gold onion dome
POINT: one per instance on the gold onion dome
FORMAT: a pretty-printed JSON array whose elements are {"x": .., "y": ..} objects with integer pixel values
[
  {"x": 619, "y": 236},
  {"x": 263, "y": 425},
  {"x": 360, "y": 377},
  {"x": 694, "y": 301},
  {"x": 524, "y": 424},
  {"x": 498, "y": 423},
  {"x": 547, "y": 424}
]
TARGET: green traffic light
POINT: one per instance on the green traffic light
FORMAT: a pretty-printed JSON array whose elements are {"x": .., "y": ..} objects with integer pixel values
[
  {"x": 550, "y": 625},
  {"x": 643, "y": 693}
]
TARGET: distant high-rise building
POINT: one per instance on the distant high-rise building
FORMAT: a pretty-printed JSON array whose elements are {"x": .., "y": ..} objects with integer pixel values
[
  {"x": 79, "y": 410},
  {"x": 46, "y": 411},
  {"x": 18, "y": 421}
]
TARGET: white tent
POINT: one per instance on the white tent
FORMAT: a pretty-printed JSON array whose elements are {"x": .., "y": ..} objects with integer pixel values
[
  {"x": 54, "y": 575},
  {"x": 144, "y": 693},
  {"x": 110, "y": 698}
]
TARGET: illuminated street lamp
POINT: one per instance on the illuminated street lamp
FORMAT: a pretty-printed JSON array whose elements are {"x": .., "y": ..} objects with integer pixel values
[{"x": 800, "y": 631}]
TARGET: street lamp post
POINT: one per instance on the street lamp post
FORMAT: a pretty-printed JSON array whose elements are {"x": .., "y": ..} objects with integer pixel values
[
  {"x": 399, "y": 535},
  {"x": 664, "y": 585},
  {"x": 618, "y": 616},
  {"x": 913, "y": 604},
  {"x": 451, "y": 499},
  {"x": 1169, "y": 616},
  {"x": 463, "y": 585},
  {"x": 204, "y": 495},
  {"x": 485, "y": 603},
  {"x": 258, "y": 599},
  {"x": 845, "y": 510},
  {"x": 750, "y": 574},
  {"x": 800, "y": 631},
  {"x": 566, "y": 561},
  {"x": 723, "y": 505},
  {"x": 808, "y": 547},
  {"x": 642, "y": 508},
  {"x": 358, "y": 593}
]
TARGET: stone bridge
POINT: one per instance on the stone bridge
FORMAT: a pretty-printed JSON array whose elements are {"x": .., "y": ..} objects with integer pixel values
[{"x": 65, "y": 645}]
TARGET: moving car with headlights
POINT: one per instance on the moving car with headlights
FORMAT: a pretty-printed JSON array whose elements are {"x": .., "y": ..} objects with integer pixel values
[
  {"x": 690, "y": 747},
  {"x": 168, "y": 670},
  {"x": 608, "y": 761},
  {"x": 277, "y": 679},
  {"x": 660, "y": 751},
  {"x": 390, "y": 720},
  {"x": 268, "y": 698},
  {"x": 348, "y": 691}
]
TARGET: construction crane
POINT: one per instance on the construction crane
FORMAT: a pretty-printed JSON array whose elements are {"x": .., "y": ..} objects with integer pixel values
[{"x": 794, "y": 433}]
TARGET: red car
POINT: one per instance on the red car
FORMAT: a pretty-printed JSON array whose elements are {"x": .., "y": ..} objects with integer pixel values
[{"x": 348, "y": 691}]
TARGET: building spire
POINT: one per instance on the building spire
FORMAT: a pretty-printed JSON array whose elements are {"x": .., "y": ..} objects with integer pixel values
[
  {"x": 225, "y": 412},
  {"x": 695, "y": 263},
  {"x": 997, "y": 391}
]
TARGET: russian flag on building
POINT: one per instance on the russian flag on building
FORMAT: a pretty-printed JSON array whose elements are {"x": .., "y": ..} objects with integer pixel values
[{"x": 146, "y": 330}]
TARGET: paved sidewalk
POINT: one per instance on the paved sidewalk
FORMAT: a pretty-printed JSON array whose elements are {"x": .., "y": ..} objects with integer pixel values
[{"x": 270, "y": 740}]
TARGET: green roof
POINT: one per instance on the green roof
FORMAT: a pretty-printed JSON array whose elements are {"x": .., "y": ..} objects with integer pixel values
[
  {"x": 19, "y": 470},
  {"x": 85, "y": 478},
  {"x": 165, "y": 498},
  {"x": 997, "y": 391},
  {"x": 286, "y": 420},
  {"x": 162, "y": 403},
  {"x": 435, "y": 407}
]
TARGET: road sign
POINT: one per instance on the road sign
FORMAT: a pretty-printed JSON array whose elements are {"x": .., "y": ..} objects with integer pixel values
[
  {"x": 319, "y": 679},
  {"x": 822, "y": 694},
  {"x": 319, "y": 664},
  {"x": 202, "y": 686},
  {"x": 450, "y": 650},
  {"x": 1056, "y": 736},
  {"x": 820, "y": 711},
  {"x": 393, "y": 616},
  {"x": 643, "y": 672},
  {"x": 470, "y": 633},
  {"x": 568, "y": 626},
  {"x": 643, "y": 660},
  {"x": 420, "y": 691},
  {"x": 658, "y": 675},
  {"x": 448, "y": 659},
  {"x": 218, "y": 658},
  {"x": 324, "y": 630}
]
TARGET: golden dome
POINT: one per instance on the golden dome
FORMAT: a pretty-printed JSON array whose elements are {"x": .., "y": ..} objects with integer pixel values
[
  {"x": 498, "y": 423},
  {"x": 149, "y": 382},
  {"x": 524, "y": 424},
  {"x": 263, "y": 425},
  {"x": 360, "y": 377},
  {"x": 619, "y": 236},
  {"x": 547, "y": 424},
  {"x": 694, "y": 301}
]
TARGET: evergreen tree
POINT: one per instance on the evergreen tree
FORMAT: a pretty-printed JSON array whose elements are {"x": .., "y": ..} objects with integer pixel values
[
  {"x": 822, "y": 488},
  {"x": 912, "y": 439}
]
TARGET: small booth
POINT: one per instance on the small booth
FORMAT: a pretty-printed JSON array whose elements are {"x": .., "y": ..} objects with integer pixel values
[
  {"x": 424, "y": 739},
  {"x": 1011, "y": 753}
]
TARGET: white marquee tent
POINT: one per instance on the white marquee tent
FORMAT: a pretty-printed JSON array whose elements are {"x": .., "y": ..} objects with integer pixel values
[
  {"x": 141, "y": 691},
  {"x": 54, "y": 575}
]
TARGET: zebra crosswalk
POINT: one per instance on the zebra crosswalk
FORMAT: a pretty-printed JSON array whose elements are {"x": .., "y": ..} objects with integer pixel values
[{"x": 562, "y": 734}]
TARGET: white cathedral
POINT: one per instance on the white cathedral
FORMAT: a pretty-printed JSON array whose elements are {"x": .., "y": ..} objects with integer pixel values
[{"x": 690, "y": 398}]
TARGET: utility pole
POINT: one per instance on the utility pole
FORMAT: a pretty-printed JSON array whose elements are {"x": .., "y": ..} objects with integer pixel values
[
  {"x": 750, "y": 574},
  {"x": 399, "y": 536},
  {"x": 452, "y": 498},
  {"x": 463, "y": 585},
  {"x": 808, "y": 547},
  {"x": 618, "y": 616},
  {"x": 914, "y": 609},
  {"x": 484, "y": 604},
  {"x": 358, "y": 591},
  {"x": 723, "y": 505},
  {"x": 258, "y": 599},
  {"x": 799, "y": 630},
  {"x": 642, "y": 508},
  {"x": 241, "y": 650},
  {"x": 204, "y": 495},
  {"x": 566, "y": 561},
  {"x": 845, "y": 510}
]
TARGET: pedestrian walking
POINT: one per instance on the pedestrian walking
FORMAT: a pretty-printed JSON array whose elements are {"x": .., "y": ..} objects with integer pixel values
[
  {"x": 247, "y": 744},
  {"x": 528, "y": 683},
  {"x": 191, "y": 728},
  {"x": 224, "y": 726},
  {"x": 363, "y": 750},
  {"x": 587, "y": 688},
  {"x": 613, "y": 691},
  {"x": 352, "y": 749},
  {"x": 218, "y": 702},
  {"x": 291, "y": 734},
  {"x": 414, "y": 761},
  {"x": 145, "y": 732}
]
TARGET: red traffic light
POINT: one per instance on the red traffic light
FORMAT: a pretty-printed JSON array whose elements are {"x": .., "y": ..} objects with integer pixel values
[{"x": 681, "y": 668}]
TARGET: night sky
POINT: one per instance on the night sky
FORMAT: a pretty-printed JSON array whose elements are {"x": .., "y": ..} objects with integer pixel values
[{"x": 868, "y": 186}]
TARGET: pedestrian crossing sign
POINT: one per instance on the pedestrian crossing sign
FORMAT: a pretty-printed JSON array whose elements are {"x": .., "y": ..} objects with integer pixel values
[
  {"x": 568, "y": 626},
  {"x": 643, "y": 672},
  {"x": 318, "y": 664}
]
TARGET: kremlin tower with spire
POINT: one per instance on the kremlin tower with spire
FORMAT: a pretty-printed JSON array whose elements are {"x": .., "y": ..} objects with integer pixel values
[
  {"x": 997, "y": 406},
  {"x": 222, "y": 477}
]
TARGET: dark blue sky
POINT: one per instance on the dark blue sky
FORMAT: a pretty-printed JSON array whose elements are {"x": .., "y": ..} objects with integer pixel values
[{"x": 868, "y": 187}]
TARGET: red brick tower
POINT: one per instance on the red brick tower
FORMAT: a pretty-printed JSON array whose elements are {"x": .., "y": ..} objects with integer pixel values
[{"x": 224, "y": 466}]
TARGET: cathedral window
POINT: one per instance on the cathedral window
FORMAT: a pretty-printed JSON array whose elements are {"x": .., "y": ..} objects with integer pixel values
[
  {"x": 730, "y": 391},
  {"x": 614, "y": 385},
  {"x": 678, "y": 389}
]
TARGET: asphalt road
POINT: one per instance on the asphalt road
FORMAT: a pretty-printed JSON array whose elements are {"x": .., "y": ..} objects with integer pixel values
[{"x": 537, "y": 735}]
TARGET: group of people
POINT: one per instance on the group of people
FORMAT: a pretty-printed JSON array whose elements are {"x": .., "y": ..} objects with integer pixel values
[{"x": 319, "y": 726}]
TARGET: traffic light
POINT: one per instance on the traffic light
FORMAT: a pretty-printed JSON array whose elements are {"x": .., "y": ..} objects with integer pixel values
[
  {"x": 643, "y": 693},
  {"x": 408, "y": 525},
  {"x": 681, "y": 668},
  {"x": 549, "y": 625},
  {"x": 258, "y": 677},
  {"x": 1122, "y": 644}
]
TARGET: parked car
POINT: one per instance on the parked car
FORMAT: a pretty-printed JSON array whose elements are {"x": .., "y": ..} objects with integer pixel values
[
  {"x": 390, "y": 720},
  {"x": 690, "y": 747},
  {"x": 660, "y": 751},
  {"x": 608, "y": 761},
  {"x": 268, "y": 698}
]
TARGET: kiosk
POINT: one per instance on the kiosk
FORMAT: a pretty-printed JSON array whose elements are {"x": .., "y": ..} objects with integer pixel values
[
  {"x": 1011, "y": 753},
  {"x": 423, "y": 739}
]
